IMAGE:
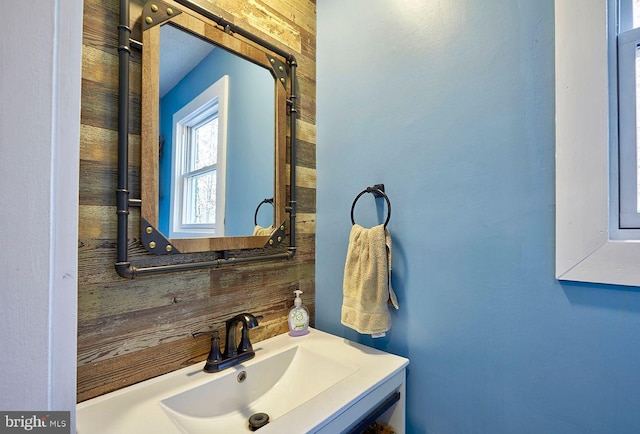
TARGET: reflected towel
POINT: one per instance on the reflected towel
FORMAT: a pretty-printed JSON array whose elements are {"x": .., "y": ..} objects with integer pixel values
[
  {"x": 260, "y": 231},
  {"x": 367, "y": 291}
]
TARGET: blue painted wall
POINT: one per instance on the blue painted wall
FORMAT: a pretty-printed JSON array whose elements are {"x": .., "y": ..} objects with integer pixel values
[
  {"x": 250, "y": 137},
  {"x": 450, "y": 104}
]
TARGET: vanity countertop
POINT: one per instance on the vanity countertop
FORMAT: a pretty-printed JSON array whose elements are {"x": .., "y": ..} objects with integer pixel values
[{"x": 141, "y": 408}]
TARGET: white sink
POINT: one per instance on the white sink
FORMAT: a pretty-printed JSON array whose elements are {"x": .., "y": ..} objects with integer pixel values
[
  {"x": 302, "y": 383},
  {"x": 273, "y": 385}
]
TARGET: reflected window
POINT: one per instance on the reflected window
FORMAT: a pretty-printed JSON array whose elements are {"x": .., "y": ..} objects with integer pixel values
[
  {"x": 199, "y": 174},
  {"x": 199, "y": 164}
]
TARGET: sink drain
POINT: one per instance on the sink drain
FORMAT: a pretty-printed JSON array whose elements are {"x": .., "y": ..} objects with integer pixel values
[
  {"x": 258, "y": 420},
  {"x": 241, "y": 376}
]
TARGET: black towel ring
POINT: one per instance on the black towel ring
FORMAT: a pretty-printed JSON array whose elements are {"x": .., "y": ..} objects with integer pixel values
[
  {"x": 255, "y": 216},
  {"x": 378, "y": 192}
]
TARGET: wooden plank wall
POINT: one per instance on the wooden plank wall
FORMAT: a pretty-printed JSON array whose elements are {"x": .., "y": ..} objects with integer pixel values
[{"x": 133, "y": 330}]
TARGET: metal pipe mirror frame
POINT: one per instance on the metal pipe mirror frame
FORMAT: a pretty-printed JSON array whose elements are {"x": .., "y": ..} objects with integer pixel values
[
  {"x": 123, "y": 265},
  {"x": 155, "y": 20}
]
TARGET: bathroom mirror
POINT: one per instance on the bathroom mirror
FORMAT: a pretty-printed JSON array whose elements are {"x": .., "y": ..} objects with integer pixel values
[{"x": 213, "y": 136}]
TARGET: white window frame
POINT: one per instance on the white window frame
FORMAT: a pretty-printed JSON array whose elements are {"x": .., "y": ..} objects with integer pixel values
[
  {"x": 588, "y": 247},
  {"x": 216, "y": 94},
  {"x": 627, "y": 42}
]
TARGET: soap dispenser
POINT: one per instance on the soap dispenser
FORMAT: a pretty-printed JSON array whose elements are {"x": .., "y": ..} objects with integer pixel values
[{"x": 298, "y": 317}]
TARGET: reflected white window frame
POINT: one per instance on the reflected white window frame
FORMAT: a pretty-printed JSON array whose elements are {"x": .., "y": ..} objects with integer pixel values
[
  {"x": 588, "y": 247},
  {"x": 190, "y": 174},
  {"x": 217, "y": 93}
]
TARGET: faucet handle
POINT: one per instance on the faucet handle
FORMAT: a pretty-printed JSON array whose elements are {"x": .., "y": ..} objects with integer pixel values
[{"x": 214, "y": 354}]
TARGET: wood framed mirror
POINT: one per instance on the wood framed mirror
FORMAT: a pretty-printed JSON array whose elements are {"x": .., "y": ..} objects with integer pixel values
[{"x": 204, "y": 84}]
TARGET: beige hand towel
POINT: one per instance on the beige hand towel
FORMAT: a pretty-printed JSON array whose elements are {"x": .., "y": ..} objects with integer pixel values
[
  {"x": 367, "y": 281},
  {"x": 260, "y": 231}
]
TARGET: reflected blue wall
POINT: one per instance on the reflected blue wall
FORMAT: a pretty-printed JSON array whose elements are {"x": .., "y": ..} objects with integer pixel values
[
  {"x": 250, "y": 136},
  {"x": 451, "y": 106}
]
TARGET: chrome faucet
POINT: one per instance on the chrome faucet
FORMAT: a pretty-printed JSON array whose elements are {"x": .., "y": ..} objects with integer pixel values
[{"x": 234, "y": 352}]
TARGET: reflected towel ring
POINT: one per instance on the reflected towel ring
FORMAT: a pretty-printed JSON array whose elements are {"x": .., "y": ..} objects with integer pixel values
[
  {"x": 378, "y": 192},
  {"x": 255, "y": 216}
]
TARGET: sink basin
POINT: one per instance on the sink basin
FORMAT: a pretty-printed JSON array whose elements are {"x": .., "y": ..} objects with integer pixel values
[
  {"x": 273, "y": 385},
  {"x": 301, "y": 383}
]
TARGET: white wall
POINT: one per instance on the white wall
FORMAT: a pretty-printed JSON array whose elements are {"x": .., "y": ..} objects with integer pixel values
[{"x": 39, "y": 143}]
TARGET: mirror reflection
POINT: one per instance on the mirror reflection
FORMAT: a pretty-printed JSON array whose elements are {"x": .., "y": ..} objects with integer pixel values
[{"x": 216, "y": 140}]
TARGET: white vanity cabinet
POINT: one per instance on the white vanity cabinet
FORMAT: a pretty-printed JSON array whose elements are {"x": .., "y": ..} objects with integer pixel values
[
  {"x": 385, "y": 403},
  {"x": 317, "y": 383}
]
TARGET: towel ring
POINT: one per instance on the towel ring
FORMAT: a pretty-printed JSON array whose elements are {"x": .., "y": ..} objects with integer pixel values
[
  {"x": 377, "y": 192},
  {"x": 255, "y": 216}
]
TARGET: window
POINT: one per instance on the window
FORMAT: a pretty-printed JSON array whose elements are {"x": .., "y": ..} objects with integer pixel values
[
  {"x": 628, "y": 68},
  {"x": 590, "y": 246},
  {"x": 198, "y": 177},
  {"x": 198, "y": 193}
]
